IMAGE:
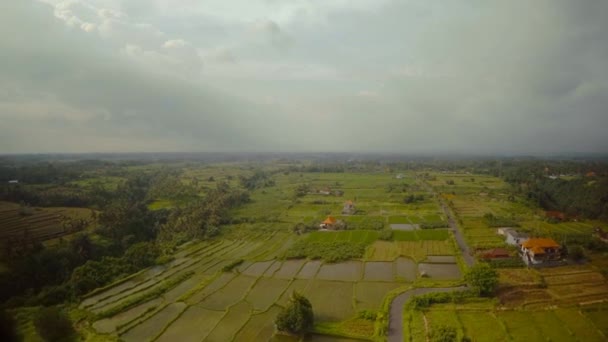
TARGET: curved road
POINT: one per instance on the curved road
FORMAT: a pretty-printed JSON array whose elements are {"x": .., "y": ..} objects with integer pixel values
[{"x": 395, "y": 320}]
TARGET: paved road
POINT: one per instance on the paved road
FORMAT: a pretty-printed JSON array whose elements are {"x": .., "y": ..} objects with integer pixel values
[{"x": 395, "y": 323}]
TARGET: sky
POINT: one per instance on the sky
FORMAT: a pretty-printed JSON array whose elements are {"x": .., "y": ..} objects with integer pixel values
[{"x": 403, "y": 76}]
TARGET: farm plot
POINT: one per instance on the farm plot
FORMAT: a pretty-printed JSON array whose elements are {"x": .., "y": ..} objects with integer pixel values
[
  {"x": 232, "y": 322},
  {"x": 440, "y": 271},
  {"x": 289, "y": 269},
  {"x": 257, "y": 268},
  {"x": 154, "y": 325},
  {"x": 109, "y": 325},
  {"x": 344, "y": 271},
  {"x": 406, "y": 269},
  {"x": 217, "y": 284},
  {"x": 230, "y": 294},
  {"x": 475, "y": 324},
  {"x": 331, "y": 300},
  {"x": 309, "y": 270},
  {"x": 379, "y": 271},
  {"x": 260, "y": 327},
  {"x": 369, "y": 295},
  {"x": 266, "y": 292},
  {"x": 192, "y": 326}
]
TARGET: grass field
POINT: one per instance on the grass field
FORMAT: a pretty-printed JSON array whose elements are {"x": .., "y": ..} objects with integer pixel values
[{"x": 484, "y": 321}]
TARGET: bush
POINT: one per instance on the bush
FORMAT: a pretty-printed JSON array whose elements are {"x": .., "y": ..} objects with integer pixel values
[
  {"x": 576, "y": 252},
  {"x": 426, "y": 300},
  {"x": 297, "y": 317},
  {"x": 443, "y": 334},
  {"x": 483, "y": 278},
  {"x": 367, "y": 315},
  {"x": 53, "y": 325},
  {"x": 386, "y": 235}
]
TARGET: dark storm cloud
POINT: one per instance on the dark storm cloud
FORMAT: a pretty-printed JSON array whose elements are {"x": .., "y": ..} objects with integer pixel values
[{"x": 401, "y": 76}]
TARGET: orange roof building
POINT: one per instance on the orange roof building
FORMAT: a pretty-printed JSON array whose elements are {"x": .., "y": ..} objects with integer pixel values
[
  {"x": 538, "y": 250},
  {"x": 330, "y": 220}
]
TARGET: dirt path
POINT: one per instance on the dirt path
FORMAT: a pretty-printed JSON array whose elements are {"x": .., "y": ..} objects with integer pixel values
[{"x": 395, "y": 323}]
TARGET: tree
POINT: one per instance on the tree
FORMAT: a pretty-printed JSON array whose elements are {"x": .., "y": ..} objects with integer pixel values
[
  {"x": 576, "y": 252},
  {"x": 53, "y": 325},
  {"x": 483, "y": 278},
  {"x": 297, "y": 317},
  {"x": 444, "y": 334}
]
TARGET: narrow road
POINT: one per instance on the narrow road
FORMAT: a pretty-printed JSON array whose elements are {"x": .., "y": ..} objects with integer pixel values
[
  {"x": 395, "y": 321},
  {"x": 462, "y": 244}
]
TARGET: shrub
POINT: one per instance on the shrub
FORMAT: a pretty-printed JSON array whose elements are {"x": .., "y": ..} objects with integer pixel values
[
  {"x": 483, "y": 278},
  {"x": 367, "y": 315},
  {"x": 297, "y": 317},
  {"x": 53, "y": 325},
  {"x": 426, "y": 300},
  {"x": 386, "y": 235},
  {"x": 576, "y": 252},
  {"x": 443, "y": 334}
]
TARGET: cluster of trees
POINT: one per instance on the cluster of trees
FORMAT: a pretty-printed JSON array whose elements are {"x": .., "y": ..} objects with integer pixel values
[
  {"x": 259, "y": 179},
  {"x": 128, "y": 237},
  {"x": 297, "y": 317},
  {"x": 202, "y": 218}
]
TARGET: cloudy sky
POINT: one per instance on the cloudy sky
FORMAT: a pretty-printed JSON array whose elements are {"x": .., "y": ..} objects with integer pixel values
[{"x": 467, "y": 76}]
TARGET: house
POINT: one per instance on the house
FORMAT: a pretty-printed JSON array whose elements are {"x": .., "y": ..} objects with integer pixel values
[
  {"x": 590, "y": 174},
  {"x": 556, "y": 215},
  {"x": 496, "y": 253},
  {"x": 329, "y": 223},
  {"x": 399, "y": 176},
  {"x": 514, "y": 238},
  {"x": 324, "y": 191},
  {"x": 539, "y": 250},
  {"x": 349, "y": 208}
]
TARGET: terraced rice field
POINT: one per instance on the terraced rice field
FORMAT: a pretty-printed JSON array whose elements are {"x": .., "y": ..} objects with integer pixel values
[
  {"x": 222, "y": 306},
  {"x": 40, "y": 224}
]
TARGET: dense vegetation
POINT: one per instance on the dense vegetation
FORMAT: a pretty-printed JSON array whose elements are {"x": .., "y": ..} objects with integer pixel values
[
  {"x": 127, "y": 238},
  {"x": 297, "y": 317}
]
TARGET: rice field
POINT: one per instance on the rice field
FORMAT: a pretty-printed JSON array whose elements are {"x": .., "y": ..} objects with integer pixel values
[
  {"x": 486, "y": 322},
  {"x": 223, "y": 306}
]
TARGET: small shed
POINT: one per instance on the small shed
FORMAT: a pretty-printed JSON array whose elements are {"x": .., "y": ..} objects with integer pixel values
[
  {"x": 496, "y": 253},
  {"x": 329, "y": 222},
  {"x": 515, "y": 238},
  {"x": 349, "y": 208}
]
